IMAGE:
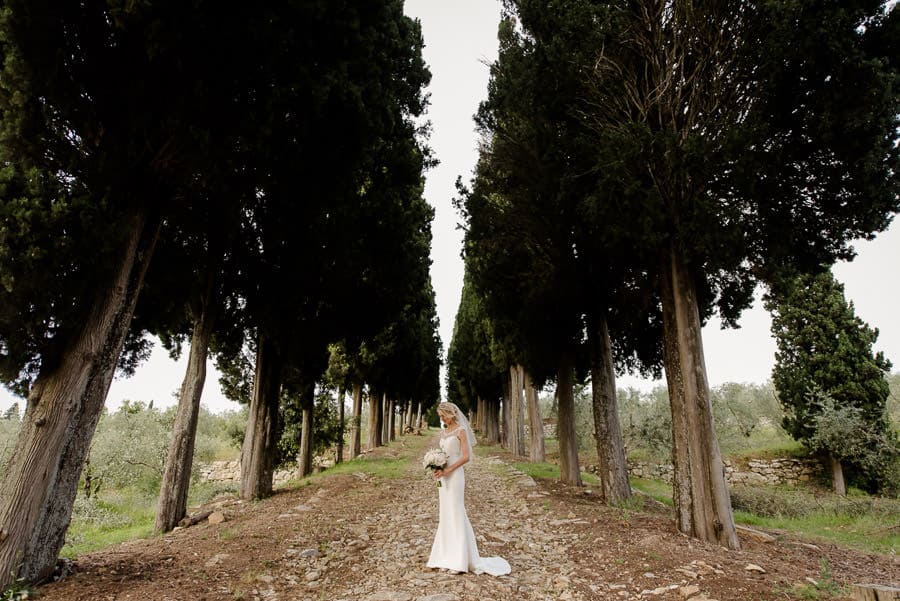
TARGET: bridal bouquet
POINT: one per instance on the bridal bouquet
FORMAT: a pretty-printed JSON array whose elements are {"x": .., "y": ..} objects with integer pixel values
[{"x": 435, "y": 459}]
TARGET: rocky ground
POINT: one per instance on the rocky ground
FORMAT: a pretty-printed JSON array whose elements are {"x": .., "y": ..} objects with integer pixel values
[{"x": 363, "y": 537}]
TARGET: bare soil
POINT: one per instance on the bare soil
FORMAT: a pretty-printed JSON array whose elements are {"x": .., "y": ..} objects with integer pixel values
[{"x": 359, "y": 536}]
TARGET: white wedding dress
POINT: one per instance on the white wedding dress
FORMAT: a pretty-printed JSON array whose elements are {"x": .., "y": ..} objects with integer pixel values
[{"x": 454, "y": 546}]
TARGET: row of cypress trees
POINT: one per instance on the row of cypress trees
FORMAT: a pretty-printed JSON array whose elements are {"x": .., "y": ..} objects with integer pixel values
[
  {"x": 646, "y": 164},
  {"x": 247, "y": 177}
]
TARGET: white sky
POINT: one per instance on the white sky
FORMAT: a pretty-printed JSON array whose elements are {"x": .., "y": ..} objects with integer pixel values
[{"x": 460, "y": 38}]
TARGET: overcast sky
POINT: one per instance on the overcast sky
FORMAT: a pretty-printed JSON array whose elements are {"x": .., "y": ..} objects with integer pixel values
[{"x": 460, "y": 38}]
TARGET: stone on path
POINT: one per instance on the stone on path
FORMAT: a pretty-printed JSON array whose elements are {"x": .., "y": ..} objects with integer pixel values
[
  {"x": 439, "y": 597},
  {"x": 216, "y": 517}
]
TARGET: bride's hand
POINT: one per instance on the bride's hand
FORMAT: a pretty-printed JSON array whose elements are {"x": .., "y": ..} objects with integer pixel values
[{"x": 438, "y": 474}]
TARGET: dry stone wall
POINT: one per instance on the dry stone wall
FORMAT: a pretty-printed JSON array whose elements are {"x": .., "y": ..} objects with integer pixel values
[
  {"x": 230, "y": 471},
  {"x": 755, "y": 471}
]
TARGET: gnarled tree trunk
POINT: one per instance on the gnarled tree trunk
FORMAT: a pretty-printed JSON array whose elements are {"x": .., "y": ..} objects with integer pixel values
[
  {"x": 64, "y": 405},
  {"x": 702, "y": 503},
  {"x": 176, "y": 478},
  {"x": 569, "y": 470},
  {"x": 608, "y": 434},
  {"x": 258, "y": 450}
]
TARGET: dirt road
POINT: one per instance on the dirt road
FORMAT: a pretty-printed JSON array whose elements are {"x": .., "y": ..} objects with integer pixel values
[{"x": 362, "y": 537}]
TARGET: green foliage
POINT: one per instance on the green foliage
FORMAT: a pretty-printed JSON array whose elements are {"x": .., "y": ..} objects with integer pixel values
[
  {"x": 19, "y": 590},
  {"x": 646, "y": 423},
  {"x": 130, "y": 447},
  {"x": 327, "y": 428},
  {"x": 843, "y": 432},
  {"x": 97, "y": 523},
  {"x": 825, "y": 361},
  {"x": 747, "y": 419}
]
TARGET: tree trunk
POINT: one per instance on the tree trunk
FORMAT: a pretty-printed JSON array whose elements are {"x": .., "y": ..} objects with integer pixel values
[
  {"x": 419, "y": 418},
  {"x": 480, "y": 425},
  {"x": 492, "y": 421},
  {"x": 375, "y": 418},
  {"x": 356, "y": 423},
  {"x": 536, "y": 451},
  {"x": 516, "y": 410},
  {"x": 339, "y": 448},
  {"x": 387, "y": 431},
  {"x": 607, "y": 432},
  {"x": 837, "y": 476},
  {"x": 176, "y": 478},
  {"x": 700, "y": 494},
  {"x": 258, "y": 450},
  {"x": 392, "y": 419},
  {"x": 505, "y": 416},
  {"x": 307, "y": 429},
  {"x": 569, "y": 471},
  {"x": 64, "y": 405}
]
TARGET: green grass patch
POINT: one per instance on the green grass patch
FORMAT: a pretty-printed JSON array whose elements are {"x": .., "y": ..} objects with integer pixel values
[
  {"x": 861, "y": 522},
  {"x": 386, "y": 468},
  {"x": 867, "y": 532},
  {"x": 98, "y": 523},
  {"x": 656, "y": 489},
  {"x": 539, "y": 471},
  {"x": 550, "y": 471},
  {"x": 764, "y": 447}
]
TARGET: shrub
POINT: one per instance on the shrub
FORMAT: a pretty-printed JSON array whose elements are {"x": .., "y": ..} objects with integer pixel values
[{"x": 844, "y": 432}]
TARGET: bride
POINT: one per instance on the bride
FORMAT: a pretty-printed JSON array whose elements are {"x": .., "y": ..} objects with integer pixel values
[{"x": 454, "y": 546}]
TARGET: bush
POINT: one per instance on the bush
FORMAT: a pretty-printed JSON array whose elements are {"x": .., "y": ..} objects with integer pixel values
[
  {"x": 870, "y": 451},
  {"x": 129, "y": 448}
]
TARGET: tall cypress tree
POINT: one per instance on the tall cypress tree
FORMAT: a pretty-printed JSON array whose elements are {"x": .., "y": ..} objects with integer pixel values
[{"x": 824, "y": 350}]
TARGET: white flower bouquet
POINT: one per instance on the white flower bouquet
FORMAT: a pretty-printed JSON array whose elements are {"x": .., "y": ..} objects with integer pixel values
[{"x": 435, "y": 459}]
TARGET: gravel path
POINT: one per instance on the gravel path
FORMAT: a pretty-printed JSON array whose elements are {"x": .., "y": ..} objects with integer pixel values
[
  {"x": 379, "y": 554},
  {"x": 361, "y": 536}
]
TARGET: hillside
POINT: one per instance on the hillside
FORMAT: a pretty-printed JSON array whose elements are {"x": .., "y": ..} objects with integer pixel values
[{"x": 364, "y": 531}]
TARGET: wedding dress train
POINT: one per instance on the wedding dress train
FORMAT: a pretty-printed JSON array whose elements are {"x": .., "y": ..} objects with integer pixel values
[{"x": 454, "y": 546}]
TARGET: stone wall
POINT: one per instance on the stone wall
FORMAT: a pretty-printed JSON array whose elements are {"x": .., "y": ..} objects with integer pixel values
[
  {"x": 230, "y": 471},
  {"x": 755, "y": 471}
]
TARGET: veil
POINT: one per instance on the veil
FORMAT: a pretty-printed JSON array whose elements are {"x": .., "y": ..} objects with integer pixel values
[{"x": 464, "y": 423}]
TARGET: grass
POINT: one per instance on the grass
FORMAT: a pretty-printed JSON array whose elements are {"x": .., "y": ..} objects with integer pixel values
[
  {"x": 655, "y": 489},
  {"x": 863, "y": 523},
  {"x": 824, "y": 587},
  {"x": 550, "y": 471},
  {"x": 764, "y": 447},
  {"x": 99, "y": 523}
]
